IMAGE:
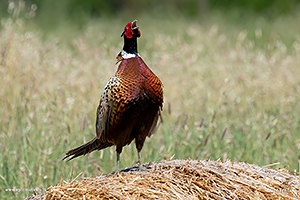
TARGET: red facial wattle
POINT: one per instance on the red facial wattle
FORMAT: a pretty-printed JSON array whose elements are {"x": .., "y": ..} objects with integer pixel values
[
  {"x": 131, "y": 30},
  {"x": 127, "y": 30}
]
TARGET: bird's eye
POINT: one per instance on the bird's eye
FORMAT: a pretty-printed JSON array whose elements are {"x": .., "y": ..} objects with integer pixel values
[{"x": 126, "y": 28}]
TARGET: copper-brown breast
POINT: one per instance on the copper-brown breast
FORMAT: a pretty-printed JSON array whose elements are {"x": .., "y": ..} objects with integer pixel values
[{"x": 137, "y": 76}]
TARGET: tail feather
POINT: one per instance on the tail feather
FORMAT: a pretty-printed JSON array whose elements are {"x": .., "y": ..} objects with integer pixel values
[{"x": 92, "y": 145}]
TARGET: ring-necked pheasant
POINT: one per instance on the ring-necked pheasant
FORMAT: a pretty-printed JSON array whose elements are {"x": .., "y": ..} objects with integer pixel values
[{"x": 130, "y": 104}]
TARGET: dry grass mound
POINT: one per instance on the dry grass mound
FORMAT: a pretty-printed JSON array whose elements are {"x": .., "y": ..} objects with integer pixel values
[{"x": 184, "y": 179}]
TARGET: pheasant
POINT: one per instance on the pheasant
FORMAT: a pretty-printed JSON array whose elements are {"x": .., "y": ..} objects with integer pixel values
[{"x": 130, "y": 104}]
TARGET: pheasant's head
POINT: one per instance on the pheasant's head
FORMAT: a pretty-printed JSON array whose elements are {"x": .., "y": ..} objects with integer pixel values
[
  {"x": 131, "y": 33},
  {"x": 131, "y": 30}
]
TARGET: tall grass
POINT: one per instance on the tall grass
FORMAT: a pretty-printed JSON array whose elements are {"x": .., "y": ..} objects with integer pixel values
[{"x": 231, "y": 92}]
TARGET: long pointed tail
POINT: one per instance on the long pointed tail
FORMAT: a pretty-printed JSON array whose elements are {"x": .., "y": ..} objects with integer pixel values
[{"x": 92, "y": 145}]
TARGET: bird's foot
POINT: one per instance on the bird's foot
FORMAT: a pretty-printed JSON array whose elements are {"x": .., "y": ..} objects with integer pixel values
[
  {"x": 116, "y": 172},
  {"x": 142, "y": 168}
]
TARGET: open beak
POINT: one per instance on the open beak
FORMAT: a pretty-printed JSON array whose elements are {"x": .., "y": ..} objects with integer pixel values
[{"x": 133, "y": 25}]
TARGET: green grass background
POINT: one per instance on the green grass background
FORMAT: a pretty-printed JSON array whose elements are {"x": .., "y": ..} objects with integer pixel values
[{"x": 231, "y": 91}]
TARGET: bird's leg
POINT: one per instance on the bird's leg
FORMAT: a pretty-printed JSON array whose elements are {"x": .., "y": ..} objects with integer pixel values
[
  {"x": 139, "y": 142},
  {"x": 118, "y": 164},
  {"x": 141, "y": 167},
  {"x": 140, "y": 160},
  {"x": 119, "y": 151}
]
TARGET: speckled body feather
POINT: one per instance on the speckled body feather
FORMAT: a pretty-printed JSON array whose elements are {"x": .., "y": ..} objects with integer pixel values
[{"x": 130, "y": 104}]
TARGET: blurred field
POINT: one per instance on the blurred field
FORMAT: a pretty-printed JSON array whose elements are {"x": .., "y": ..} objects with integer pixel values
[{"x": 231, "y": 92}]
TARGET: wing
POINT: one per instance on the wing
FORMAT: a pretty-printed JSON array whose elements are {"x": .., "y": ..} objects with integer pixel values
[
  {"x": 154, "y": 124},
  {"x": 102, "y": 122},
  {"x": 105, "y": 107},
  {"x": 115, "y": 99}
]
